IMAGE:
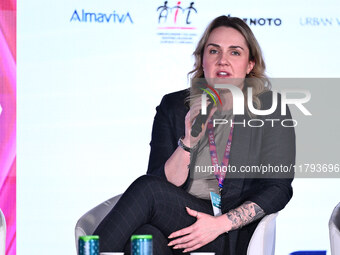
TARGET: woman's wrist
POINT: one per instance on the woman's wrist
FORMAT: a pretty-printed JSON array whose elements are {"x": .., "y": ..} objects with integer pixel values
[
  {"x": 184, "y": 144},
  {"x": 225, "y": 223}
]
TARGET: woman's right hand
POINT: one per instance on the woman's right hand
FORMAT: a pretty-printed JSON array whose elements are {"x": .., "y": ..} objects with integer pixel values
[
  {"x": 176, "y": 167},
  {"x": 192, "y": 114}
]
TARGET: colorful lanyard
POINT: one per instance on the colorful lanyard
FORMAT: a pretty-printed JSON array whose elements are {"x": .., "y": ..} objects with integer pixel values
[{"x": 219, "y": 172}]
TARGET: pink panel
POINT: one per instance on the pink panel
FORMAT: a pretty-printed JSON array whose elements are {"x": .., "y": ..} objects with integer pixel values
[{"x": 8, "y": 120}]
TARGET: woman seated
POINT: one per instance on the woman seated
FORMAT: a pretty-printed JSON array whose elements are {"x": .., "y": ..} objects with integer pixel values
[{"x": 173, "y": 201}]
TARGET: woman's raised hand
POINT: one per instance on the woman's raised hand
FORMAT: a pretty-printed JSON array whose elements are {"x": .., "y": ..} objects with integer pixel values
[{"x": 192, "y": 114}]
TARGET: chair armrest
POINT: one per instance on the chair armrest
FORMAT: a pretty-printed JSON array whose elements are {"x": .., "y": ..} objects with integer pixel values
[
  {"x": 88, "y": 223},
  {"x": 334, "y": 230},
  {"x": 2, "y": 233},
  {"x": 262, "y": 241}
]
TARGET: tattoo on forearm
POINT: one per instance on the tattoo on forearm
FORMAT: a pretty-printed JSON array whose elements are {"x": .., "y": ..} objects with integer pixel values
[{"x": 245, "y": 214}]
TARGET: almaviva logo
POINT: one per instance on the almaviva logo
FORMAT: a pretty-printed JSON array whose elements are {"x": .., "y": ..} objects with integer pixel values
[{"x": 100, "y": 17}]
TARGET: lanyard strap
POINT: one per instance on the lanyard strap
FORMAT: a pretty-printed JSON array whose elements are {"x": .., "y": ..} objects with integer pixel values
[{"x": 219, "y": 172}]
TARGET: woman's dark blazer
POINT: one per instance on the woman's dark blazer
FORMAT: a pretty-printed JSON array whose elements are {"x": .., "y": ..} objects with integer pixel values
[{"x": 251, "y": 146}]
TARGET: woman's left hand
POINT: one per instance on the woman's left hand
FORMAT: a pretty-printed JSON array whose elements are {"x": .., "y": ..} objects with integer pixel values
[{"x": 206, "y": 229}]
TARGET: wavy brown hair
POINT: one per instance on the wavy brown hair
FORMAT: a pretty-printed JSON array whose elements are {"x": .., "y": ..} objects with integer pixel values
[{"x": 259, "y": 85}]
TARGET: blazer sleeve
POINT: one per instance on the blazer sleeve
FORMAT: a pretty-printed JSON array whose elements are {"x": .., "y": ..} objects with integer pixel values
[
  {"x": 168, "y": 127},
  {"x": 278, "y": 149}
]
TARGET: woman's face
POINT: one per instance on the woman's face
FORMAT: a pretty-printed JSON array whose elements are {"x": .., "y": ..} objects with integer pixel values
[{"x": 226, "y": 55}]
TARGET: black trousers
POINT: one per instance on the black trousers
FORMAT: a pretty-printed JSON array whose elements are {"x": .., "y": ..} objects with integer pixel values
[{"x": 154, "y": 206}]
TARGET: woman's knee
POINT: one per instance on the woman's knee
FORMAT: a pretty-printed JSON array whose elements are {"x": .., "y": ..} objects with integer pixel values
[
  {"x": 148, "y": 181},
  {"x": 151, "y": 187}
]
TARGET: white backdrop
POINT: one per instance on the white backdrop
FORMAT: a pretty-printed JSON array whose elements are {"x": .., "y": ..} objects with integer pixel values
[{"x": 87, "y": 93}]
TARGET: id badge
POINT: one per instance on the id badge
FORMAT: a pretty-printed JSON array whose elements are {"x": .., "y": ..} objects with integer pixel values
[{"x": 216, "y": 203}]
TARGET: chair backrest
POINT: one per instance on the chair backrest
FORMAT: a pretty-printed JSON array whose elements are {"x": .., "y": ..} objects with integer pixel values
[
  {"x": 263, "y": 240},
  {"x": 334, "y": 230},
  {"x": 2, "y": 233},
  {"x": 88, "y": 223}
]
